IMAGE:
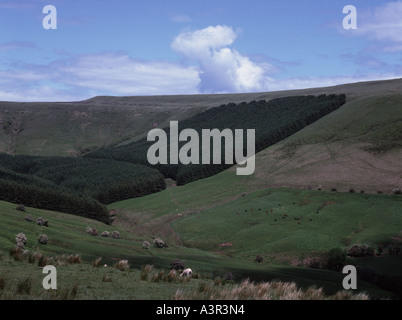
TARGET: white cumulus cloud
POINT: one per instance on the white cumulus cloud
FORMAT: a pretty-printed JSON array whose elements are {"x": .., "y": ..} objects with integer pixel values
[{"x": 222, "y": 69}]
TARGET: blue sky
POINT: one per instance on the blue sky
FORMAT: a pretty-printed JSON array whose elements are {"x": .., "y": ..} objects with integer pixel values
[{"x": 153, "y": 47}]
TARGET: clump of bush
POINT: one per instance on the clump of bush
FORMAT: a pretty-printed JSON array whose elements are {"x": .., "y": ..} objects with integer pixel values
[
  {"x": 146, "y": 245},
  {"x": 115, "y": 235},
  {"x": 97, "y": 262},
  {"x": 42, "y": 239},
  {"x": 259, "y": 259},
  {"x": 42, "y": 222},
  {"x": 360, "y": 250},
  {"x": 20, "y": 240},
  {"x": 159, "y": 243},
  {"x": 24, "y": 286},
  {"x": 177, "y": 264},
  {"x": 74, "y": 259},
  {"x": 122, "y": 265},
  {"x": 397, "y": 191},
  {"x": 92, "y": 231},
  {"x": 393, "y": 249},
  {"x": 28, "y": 218},
  {"x": 20, "y": 207},
  {"x": 105, "y": 234},
  {"x": 336, "y": 259},
  {"x": 146, "y": 272}
]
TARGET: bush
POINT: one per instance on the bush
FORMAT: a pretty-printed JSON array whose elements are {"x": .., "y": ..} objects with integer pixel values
[
  {"x": 146, "y": 271},
  {"x": 97, "y": 262},
  {"x": 336, "y": 259},
  {"x": 177, "y": 265},
  {"x": 259, "y": 259},
  {"x": 20, "y": 207},
  {"x": 146, "y": 245},
  {"x": 20, "y": 240},
  {"x": 393, "y": 249},
  {"x": 24, "y": 286},
  {"x": 159, "y": 243},
  {"x": 92, "y": 231},
  {"x": 105, "y": 234},
  {"x": 42, "y": 222},
  {"x": 360, "y": 250},
  {"x": 397, "y": 191},
  {"x": 42, "y": 239},
  {"x": 122, "y": 265},
  {"x": 115, "y": 235},
  {"x": 28, "y": 218}
]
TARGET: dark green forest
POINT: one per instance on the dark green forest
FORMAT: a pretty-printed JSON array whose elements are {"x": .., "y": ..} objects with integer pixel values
[
  {"x": 83, "y": 186},
  {"x": 273, "y": 121},
  {"x": 74, "y": 185}
]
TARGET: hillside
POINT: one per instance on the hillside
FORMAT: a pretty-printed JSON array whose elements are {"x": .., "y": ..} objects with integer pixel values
[
  {"x": 73, "y": 128},
  {"x": 358, "y": 146},
  {"x": 219, "y": 225}
]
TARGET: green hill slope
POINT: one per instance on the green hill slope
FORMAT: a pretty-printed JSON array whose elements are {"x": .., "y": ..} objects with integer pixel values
[{"x": 72, "y": 128}]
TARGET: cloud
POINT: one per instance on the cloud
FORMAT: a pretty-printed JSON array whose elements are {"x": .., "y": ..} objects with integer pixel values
[
  {"x": 222, "y": 69},
  {"x": 84, "y": 76},
  {"x": 118, "y": 74},
  {"x": 17, "y": 45},
  {"x": 383, "y": 24}
]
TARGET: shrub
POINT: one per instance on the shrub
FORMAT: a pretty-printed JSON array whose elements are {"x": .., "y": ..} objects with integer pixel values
[
  {"x": 397, "y": 191},
  {"x": 228, "y": 277},
  {"x": 146, "y": 271},
  {"x": 351, "y": 190},
  {"x": 20, "y": 240},
  {"x": 217, "y": 281},
  {"x": 28, "y": 218},
  {"x": 171, "y": 276},
  {"x": 2, "y": 283},
  {"x": 24, "y": 286},
  {"x": 42, "y": 239},
  {"x": 76, "y": 259},
  {"x": 122, "y": 265},
  {"x": 360, "y": 250},
  {"x": 336, "y": 259},
  {"x": 97, "y": 262},
  {"x": 334, "y": 190},
  {"x": 159, "y": 243},
  {"x": 42, "y": 222},
  {"x": 158, "y": 276},
  {"x": 259, "y": 259},
  {"x": 31, "y": 257},
  {"x": 177, "y": 264},
  {"x": 146, "y": 245},
  {"x": 393, "y": 249},
  {"x": 20, "y": 207},
  {"x": 92, "y": 231},
  {"x": 105, "y": 234},
  {"x": 115, "y": 235},
  {"x": 380, "y": 249}
]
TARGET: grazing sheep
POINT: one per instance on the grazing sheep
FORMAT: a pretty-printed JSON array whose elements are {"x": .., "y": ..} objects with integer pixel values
[{"x": 186, "y": 272}]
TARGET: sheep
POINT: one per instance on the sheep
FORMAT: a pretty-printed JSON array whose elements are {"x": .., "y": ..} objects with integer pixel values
[{"x": 186, "y": 272}]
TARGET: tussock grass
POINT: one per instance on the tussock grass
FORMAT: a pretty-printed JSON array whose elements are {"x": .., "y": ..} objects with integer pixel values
[{"x": 275, "y": 290}]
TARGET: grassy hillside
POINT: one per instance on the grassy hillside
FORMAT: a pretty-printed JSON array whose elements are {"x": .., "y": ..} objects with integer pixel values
[
  {"x": 220, "y": 224},
  {"x": 66, "y": 234},
  {"x": 271, "y": 120},
  {"x": 356, "y": 147},
  {"x": 71, "y": 128}
]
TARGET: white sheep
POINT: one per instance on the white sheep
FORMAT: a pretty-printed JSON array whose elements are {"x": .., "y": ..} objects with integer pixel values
[{"x": 186, "y": 272}]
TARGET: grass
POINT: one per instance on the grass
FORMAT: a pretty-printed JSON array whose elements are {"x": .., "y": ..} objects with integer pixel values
[{"x": 67, "y": 236}]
